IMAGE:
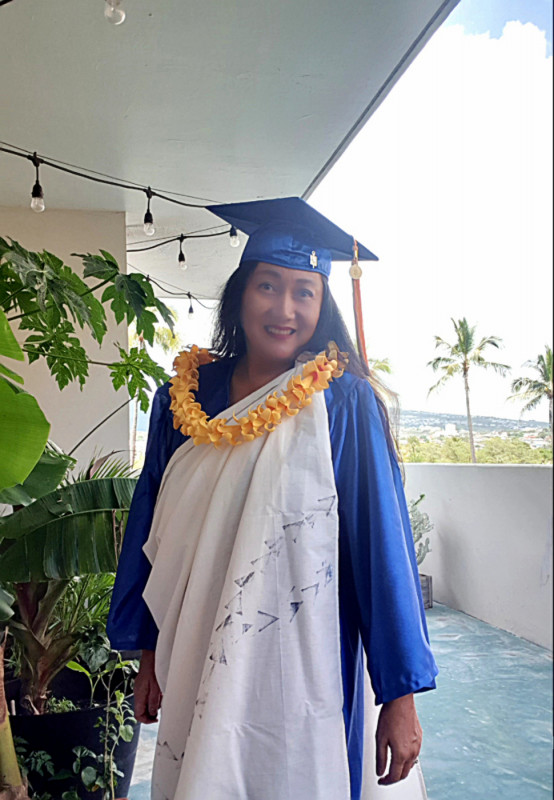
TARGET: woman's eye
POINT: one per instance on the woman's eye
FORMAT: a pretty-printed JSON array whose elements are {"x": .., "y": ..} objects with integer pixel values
[
  {"x": 306, "y": 293},
  {"x": 266, "y": 286}
]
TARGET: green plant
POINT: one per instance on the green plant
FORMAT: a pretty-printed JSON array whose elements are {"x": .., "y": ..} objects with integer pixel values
[
  {"x": 421, "y": 525},
  {"x": 94, "y": 771},
  {"x": 169, "y": 341},
  {"x": 62, "y": 705},
  {"x": 533, "y": 390},
  {"x": 57, "y": 556},
  {"x": 459, "y": 357},
  {"x": 49, "y": 302}
]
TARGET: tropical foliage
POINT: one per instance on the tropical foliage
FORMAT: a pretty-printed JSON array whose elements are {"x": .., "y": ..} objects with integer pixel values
[
  {"x": 55, "y": 552},
  {"x": 532, "y": 391},
  {"x": 421, "y": 524},
  {"x": 170, "y": 342},
  {"x": 464, "y": 353},
  {"x": 52, "y": 306}
]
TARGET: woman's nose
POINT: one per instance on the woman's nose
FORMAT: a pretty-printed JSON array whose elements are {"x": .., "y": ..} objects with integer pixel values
[{"x": 287, "y": 305}]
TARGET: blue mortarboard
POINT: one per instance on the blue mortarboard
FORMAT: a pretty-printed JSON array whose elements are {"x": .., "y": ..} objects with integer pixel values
[{"x": 290, "y": 233}]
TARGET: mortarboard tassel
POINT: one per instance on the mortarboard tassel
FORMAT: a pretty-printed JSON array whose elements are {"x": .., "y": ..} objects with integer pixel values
[{"x": 356, "y": 274}]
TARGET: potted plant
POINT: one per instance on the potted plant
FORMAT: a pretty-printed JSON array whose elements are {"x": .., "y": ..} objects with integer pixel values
[
  {"x": 58, "y": 558},
  {"x": 61, "y": 531},
  {"x": 421, "y": 525}
]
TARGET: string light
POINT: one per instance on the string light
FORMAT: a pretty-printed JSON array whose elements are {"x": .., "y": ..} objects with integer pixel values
[
  {"x": 234, "y": 240},
  {"x": 181, "y": 260},
  {"x": 113, "y": 12},
  {"x": 149, "y": 228},
  {"x": 37, "y": 195},
  {"x": 99, "y": 177},
  {"x": 38, "y": 205},
  {"x": 191, "y": 309}
]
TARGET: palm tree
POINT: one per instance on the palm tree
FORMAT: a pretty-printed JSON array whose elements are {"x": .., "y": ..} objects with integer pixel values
[
  {"x": 533, "y": 390},
  {"x": 460, "y": 356},
  {"x": 169, "y": 342},
  {"x": 380, "y": 365}
]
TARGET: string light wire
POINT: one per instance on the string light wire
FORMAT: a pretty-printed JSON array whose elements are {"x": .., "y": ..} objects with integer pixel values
[
  {"x": 129, "y": 184},
  {"x": 180, "y": 293}
]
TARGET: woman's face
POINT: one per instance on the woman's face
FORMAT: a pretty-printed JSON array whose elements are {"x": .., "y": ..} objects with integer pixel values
[{"x": 279, "y": 313}]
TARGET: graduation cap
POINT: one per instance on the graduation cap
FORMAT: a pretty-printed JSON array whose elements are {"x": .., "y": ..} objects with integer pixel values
[{"x": 290, "y": 233}]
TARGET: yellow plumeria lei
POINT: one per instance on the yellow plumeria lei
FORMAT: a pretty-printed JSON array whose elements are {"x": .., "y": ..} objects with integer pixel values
[{"x": 192, "y": 421}]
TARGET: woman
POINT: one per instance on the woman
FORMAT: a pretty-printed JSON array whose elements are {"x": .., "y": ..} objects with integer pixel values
[{"x": 268, "y": 569}]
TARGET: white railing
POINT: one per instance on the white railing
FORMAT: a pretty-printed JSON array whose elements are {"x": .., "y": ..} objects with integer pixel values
[{"x": 492, "y": 542}]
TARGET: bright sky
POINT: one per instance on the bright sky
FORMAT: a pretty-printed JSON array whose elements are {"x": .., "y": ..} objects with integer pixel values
[{"x": 450, "y": 184}]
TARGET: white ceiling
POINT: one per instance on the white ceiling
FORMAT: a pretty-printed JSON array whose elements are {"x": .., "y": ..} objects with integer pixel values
[{"x": 224, "y": 101}]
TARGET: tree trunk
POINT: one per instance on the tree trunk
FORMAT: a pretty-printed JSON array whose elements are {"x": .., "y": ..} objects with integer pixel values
[
  {"x": 469, "y": 422},
  {"x": 12, "y": 786}
]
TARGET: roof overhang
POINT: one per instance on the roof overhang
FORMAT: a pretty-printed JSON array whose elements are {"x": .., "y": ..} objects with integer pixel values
[{"x": 222, "y": 102}]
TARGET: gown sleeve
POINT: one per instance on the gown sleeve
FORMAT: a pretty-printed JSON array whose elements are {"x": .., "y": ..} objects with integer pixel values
[
  {"x": 376, "y": 548},
  {"x": 130, "y": 625}
]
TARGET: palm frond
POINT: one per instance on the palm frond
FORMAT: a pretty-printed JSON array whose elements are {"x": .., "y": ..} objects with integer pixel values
[
  {"x": 439, "y": 383},
  {"x": 501, "y": 369},
  {"x": 441, "y": 362}
]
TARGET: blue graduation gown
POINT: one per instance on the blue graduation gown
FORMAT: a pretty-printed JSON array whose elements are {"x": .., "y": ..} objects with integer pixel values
[{"x": 380, "y": 602}]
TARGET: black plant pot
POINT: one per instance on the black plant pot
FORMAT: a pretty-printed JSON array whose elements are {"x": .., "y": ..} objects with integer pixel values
[
  {"x": 426, "y": 590},
  {"x": 58, "y": 734}
]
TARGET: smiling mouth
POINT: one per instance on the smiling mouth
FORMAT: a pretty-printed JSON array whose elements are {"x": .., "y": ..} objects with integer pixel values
[{"x": 276, "y": 330}]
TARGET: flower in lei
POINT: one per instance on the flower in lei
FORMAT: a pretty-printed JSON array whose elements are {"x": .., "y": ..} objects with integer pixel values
[{"x": 192, "y": 421}]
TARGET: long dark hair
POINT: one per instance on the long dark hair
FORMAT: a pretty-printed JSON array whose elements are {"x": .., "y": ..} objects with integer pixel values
[{"x": 228, "y": 340}]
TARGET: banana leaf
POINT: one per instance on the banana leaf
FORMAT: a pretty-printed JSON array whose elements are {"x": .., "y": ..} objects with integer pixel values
[
  {"x": 6, "y": 603},
  {"x": 23, "y": 434},
  {"x": 47, "y": 474},
  {"x": 76, "y": 530}
]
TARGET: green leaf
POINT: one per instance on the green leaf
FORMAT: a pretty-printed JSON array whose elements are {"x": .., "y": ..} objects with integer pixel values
[
  {"x": 23, "y": 434},
  {"x": 69, "y": 532},
  {"x": 8, "y": 343},
  {"x": 88, "y": 776},
  {"x": 46, "y": 475},
  {"x": 6, "y": 602},
  {"x": 133, "y": 293},
  {"x": 75, "y": 667},
  {"x": 102, "y": 267},
  {"x": 9, "y": 373},
  {"x": 126, "y": 732}
]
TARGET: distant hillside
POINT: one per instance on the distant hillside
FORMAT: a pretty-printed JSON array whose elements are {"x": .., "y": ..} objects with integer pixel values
[
  {"x": 413, "y": 420},
  {"x": 410, "y": 420}
]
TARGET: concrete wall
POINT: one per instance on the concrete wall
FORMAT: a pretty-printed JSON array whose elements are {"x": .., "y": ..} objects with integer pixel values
[
  {"x": 492, "y": 543},
  {"x": 72, "y": 412}
]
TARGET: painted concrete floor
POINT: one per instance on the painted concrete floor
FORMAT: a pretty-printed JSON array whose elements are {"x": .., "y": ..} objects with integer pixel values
[{"x": 487, "y": 728}]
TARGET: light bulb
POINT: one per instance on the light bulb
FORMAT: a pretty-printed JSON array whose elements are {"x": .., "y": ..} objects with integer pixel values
[
  {"x": 182, "y": 262},
  {"x": 37, "y": 204},
  {"x": 37, "y": 198},
  {"x": 149, "y": 228},
  {"x": 113, "y": 12},
  {"x": 234, "y": 240},
  {"x": 191, "y": 309}
]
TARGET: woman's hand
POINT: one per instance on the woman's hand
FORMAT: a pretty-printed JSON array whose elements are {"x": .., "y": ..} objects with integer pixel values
[
  {"x": 148, "y": 697},
  {"x": 399, "y": 729}
]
